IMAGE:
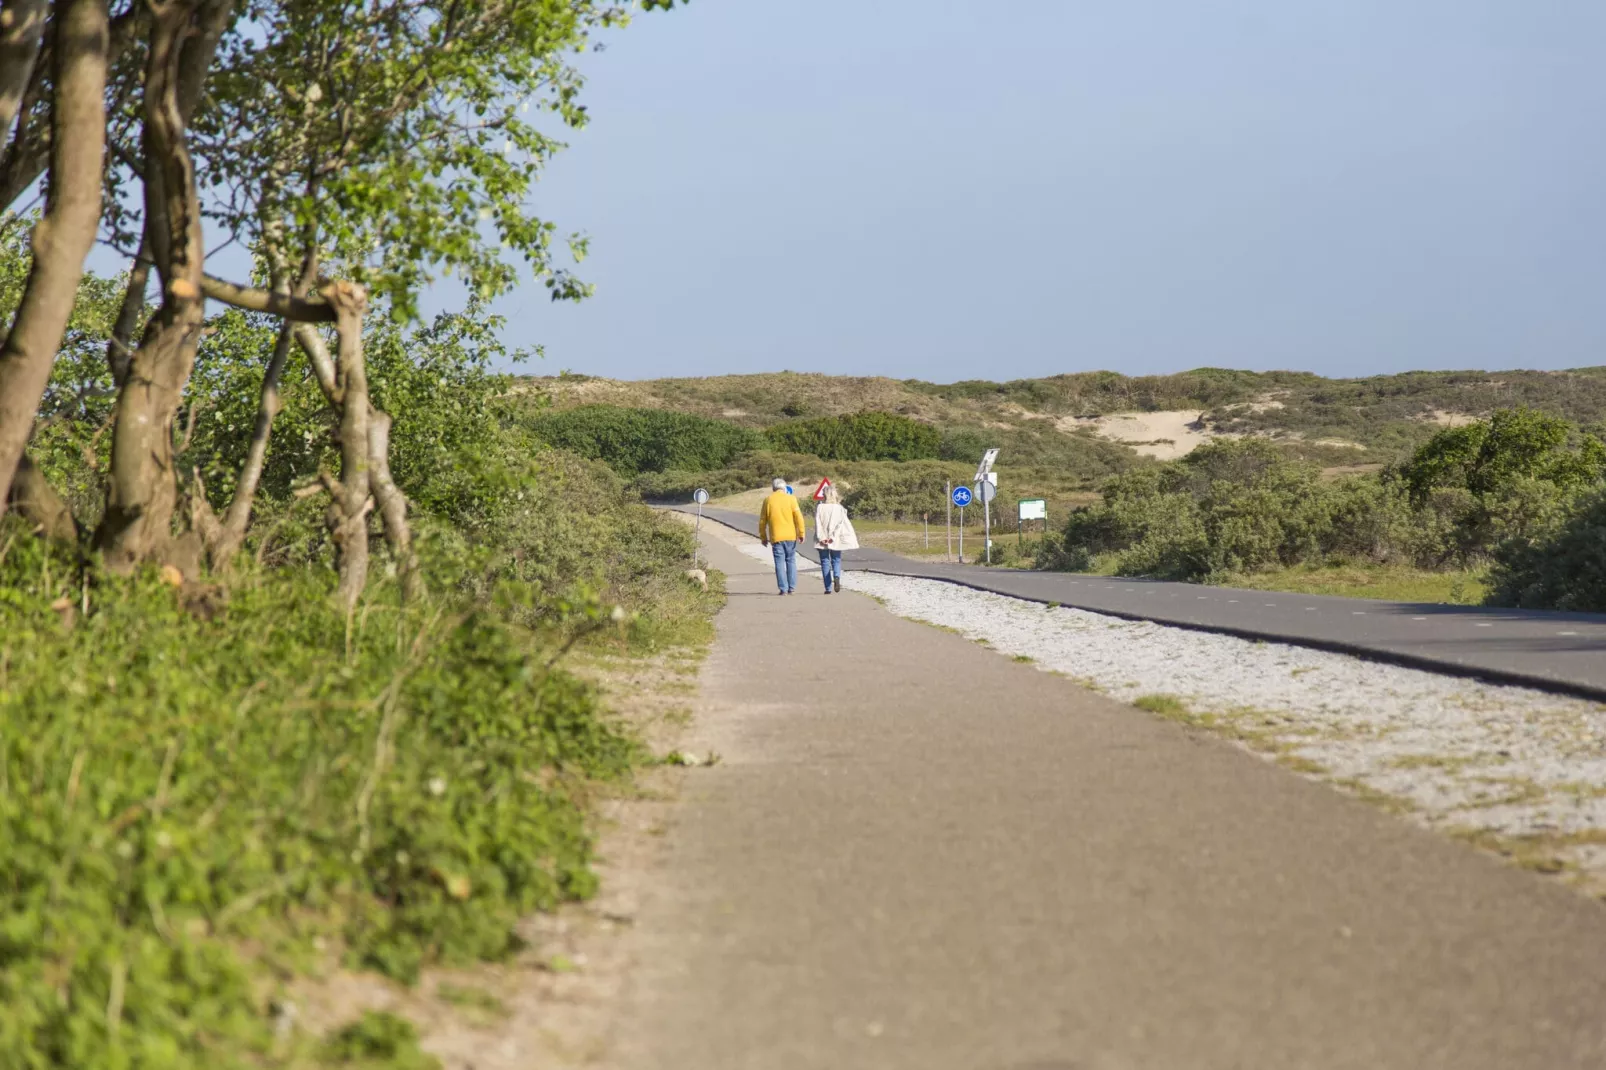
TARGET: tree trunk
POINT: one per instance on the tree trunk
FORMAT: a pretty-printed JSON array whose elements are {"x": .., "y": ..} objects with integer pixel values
[
  {"x": 348, "y": 513},
  {"x": 222, "y": 547},
  {"x": 22, "y": 30},
  {"x": 62, "y": 239},
  {"x": 391, "y": 501},
  {"x": 143, "y": 488},
  {"x": 120, "y": 347},
  {"x": 387, "y": 495},
  {"x": 36, "y": 501}
]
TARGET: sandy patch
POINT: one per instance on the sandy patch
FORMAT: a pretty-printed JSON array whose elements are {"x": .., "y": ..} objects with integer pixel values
[
  {"x": 1446, "y": 418},
  {"x": 1162, "y": 435},
  {"x": 1019, "y": 412}
]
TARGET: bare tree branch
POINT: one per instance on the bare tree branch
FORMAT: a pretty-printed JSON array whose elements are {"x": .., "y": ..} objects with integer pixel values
[{"x": 252, "y": 299}]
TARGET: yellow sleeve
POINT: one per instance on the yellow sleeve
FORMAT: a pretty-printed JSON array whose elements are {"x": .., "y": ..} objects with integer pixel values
[
  {"x": 764, "y": 521},
  {"x": 797, "y": 520}
]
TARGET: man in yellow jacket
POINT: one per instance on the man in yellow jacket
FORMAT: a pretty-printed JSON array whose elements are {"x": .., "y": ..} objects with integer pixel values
[{"x": 780, "y": 527}]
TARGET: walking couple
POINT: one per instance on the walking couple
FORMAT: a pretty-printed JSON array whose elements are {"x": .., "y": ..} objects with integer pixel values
[{"x": 780, "y": 527}]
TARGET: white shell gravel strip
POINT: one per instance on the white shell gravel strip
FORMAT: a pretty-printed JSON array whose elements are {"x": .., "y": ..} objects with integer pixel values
[{"x": 1518, "y": 769}]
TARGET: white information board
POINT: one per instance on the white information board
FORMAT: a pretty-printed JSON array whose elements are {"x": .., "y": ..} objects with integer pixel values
[{"x": 1033, "y": 509}]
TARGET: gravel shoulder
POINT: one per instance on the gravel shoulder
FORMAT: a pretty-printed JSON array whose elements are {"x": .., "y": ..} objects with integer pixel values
[{"x": 1515, "y": 770}]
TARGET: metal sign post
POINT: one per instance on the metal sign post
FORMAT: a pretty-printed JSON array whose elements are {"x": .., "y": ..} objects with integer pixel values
[
  {"x": 700, "y": 496},
  {"x": 987, "y": 487},
  {"x": 961, "y": 497}
]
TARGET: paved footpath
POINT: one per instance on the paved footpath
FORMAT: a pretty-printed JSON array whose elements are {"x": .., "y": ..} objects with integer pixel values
[
  {"x": 1543, "y": 648},
  {"x": 918, "y": 854}
]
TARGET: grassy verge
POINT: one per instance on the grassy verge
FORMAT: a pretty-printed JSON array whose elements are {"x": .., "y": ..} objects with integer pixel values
[{"x": 202, "y": 802}]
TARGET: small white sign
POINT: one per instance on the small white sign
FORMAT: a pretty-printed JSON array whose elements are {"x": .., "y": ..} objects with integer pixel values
[
  {"x": 1033, "y": 509},
  {"x": 700, "y": 496}
]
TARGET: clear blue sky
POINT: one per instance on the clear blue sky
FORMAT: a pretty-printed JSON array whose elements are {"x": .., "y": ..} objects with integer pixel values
[{"x": 950, "y": 190}]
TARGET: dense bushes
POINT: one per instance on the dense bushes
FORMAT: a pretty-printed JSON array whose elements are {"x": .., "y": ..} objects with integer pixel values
[
  {"x": 206, "y": 790},
  {"x": 1562, "y": 568},
  {"x": 747, "y": 472},
  {"x": 904, "y": 491},
  {"x": 863, "y": 436},
  {"x": 632, "y": 441},
  {"x": 278, "y": 775},
  {"x": 1240, "y": 506}
]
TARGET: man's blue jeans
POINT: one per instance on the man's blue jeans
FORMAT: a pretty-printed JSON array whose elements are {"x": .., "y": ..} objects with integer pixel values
[
  {"x": 831, "y": 565},
  {"x": 785, "y": 565}
]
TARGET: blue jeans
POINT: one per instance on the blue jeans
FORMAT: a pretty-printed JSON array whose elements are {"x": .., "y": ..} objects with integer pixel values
[
  {"x": 831, "y": 565},
  {"x": 785, "y": 565}
]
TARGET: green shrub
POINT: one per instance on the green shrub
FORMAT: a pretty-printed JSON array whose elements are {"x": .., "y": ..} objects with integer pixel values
[
  {"x": 199, "y": 790},
  {"x": 172, "y": 785},
  {"x": 632, "y": 441},
  {"x": 749, "y": 471},
  {"x": 902, "y": 491},
  {"x": 863, "y": 436},
  {"x": 1241, "y": 506},
  {"x": 1486, "y": 457},
  {"x": 378, "y": 1041},
  {"x": 1560, "y": 568}
]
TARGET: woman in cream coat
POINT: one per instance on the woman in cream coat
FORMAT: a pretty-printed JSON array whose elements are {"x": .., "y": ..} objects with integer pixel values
[{"x": 833, "y": 533}]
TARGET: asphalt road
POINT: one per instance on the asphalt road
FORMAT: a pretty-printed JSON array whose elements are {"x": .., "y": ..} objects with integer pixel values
[
  {"x": 918, "y": 855},
  {"x": 1555, "y": 651}
]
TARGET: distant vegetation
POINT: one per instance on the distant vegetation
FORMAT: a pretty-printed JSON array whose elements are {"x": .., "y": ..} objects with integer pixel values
[
  {"x": 633, "y": 441},
  {"x": 1388, "y": 416},
  {"x": 1504, "y": 491},
  {"x": 1477, "y": 475},
  {"x": 859, "y": 436}
]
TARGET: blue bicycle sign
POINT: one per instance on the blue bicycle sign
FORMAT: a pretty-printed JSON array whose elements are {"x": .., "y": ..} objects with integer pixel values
[{"x": 962, "y": 496}]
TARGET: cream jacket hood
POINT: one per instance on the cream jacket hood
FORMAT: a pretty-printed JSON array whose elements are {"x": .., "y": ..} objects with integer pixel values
[{"x": 831, "y": 522}]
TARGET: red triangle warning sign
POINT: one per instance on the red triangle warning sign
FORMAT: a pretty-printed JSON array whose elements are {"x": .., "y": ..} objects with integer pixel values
[{"x": 819, "y": 491}]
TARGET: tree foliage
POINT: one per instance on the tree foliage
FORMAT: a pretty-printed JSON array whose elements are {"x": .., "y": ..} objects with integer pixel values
[
  {"x": 862, "y": 436},
  {"x": 633, "y": 441},
  {"x": 1236, "y": 506},
  {"x": 380, "y": 143}
]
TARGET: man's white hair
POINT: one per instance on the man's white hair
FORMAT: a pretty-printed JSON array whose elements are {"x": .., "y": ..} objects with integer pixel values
[{"x": 777, "y": 483}]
